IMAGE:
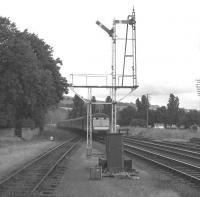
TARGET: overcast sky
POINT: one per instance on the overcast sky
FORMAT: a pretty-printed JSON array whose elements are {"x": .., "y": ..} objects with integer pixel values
[{"x": 168, "y": 40}]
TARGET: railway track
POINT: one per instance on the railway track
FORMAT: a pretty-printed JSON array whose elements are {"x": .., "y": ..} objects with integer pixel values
[
  {"x": 183, "y": 145},
  {"x": 181, "y": 161},
  {"x": 167, "y": 150},
  {"x": 40, "y": 176},
  {"x": 178, "y": 158}
]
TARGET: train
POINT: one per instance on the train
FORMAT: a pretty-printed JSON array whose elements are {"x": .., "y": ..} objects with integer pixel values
[{"x": 100, "y": 124}]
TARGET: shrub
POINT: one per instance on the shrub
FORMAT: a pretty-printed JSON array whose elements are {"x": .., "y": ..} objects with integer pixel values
[
  {"x": 138, "y": 123},
  {"x": 3, "y": 123},
  {"x": 194, "y": 127},
  {"x": 28, "y": 123}
]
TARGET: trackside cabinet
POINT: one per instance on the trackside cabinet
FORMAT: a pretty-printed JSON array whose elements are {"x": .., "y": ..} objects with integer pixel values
[
  {"x": 96, "y": 173},
  {"x": 114, "y": 152}
]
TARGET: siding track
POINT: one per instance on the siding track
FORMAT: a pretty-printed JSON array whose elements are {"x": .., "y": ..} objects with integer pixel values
[
  {"x": 178, "y": 159},
  {"x": 31, "y": 178}
]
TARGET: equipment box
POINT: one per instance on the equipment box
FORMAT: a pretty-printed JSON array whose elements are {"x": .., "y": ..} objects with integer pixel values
[
  {"x": 96, "y": 173},
  {"x": 128, "y": 163},
  {"x": 114, "y": 152}
]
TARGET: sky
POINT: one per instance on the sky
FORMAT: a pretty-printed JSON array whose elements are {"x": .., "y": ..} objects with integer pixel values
[{"x": 168, "y": 41}]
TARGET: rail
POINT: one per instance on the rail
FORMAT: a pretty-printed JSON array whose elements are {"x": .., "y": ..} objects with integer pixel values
[{"x": 29, "y": 178}]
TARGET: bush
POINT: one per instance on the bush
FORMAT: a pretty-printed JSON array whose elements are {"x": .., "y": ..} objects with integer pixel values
[
  {"x": 28, "y": 123},
  {"x": 138, "y": 123},
  {"x": 194, "y": 127},
  {"x": 3, "y": 123}
]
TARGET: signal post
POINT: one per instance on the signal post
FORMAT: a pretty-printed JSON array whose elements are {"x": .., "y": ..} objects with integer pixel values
[{"x": 126, "y": 79}]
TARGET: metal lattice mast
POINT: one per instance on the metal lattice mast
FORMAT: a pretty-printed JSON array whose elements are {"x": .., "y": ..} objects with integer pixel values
[
  {"x": 134, "y": 47},
  {"x": 114, "y": 75},
  {"x": 131, "y": 43},
  {"x": 89, "y": 123},
  {"x": 114, "y": 81}
]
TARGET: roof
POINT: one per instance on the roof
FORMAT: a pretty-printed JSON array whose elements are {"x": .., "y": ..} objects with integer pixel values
[{"x": 100, "y": 115}]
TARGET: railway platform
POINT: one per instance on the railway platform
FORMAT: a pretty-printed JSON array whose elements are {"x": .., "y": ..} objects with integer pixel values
[{"x": 76, "y": 180}]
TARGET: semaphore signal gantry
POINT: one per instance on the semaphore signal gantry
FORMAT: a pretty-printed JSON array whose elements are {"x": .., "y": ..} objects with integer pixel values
[{"x": 125, "y": 79}]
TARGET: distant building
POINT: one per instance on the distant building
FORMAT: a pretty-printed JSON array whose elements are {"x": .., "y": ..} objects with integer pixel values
[
  {"x": 121, "y": 107},
  {"x": 159, "y": 126},
  {"x": 154, "y": 107},
  {"x": 67, "y": 108}
]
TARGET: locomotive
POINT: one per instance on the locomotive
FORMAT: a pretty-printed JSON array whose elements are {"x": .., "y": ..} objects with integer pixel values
[{"x": 100, "y": 123}]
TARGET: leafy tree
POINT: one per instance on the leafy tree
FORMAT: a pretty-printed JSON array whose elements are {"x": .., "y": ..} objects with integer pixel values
[
  {"x": 78, "y": 108},
  {"x": 192, "y": 118},
  {"x": 172, "y": 110},
  {"x": 30, "y": 81},
  {"x": 142, "y": 107},
  {"x": 18, "y": 73},
  {"x": 53, "y": 84},
  {"x": 138, "y": 123},
  {"x": 152, "y": 117},
  {"x": 160, "y": 115},
  {"x": 108, "y": 107},
  {"x": 126, "y": 115},
  {"x": 182, "y": 118},
  {"x": 93, "y": 100}
]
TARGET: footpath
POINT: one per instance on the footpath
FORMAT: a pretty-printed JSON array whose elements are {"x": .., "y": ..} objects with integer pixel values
[{"x": 76, "y": 180}]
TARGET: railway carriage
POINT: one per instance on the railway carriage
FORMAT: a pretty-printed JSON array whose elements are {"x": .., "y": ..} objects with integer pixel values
[{"x": 100, "y": 123}]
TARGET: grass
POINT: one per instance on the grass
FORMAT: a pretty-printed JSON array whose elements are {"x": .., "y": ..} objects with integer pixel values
[
  {"x": 165, "y": 134},
  {"x": 15, "y": 151},
  {"x": 7, "y": 137}
]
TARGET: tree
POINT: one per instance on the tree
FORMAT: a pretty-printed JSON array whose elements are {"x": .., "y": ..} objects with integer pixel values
[
  {"x": 152, "y": 117},
  {"x": 108, "y": 107},
  {"x": 138, "y": 123},
  {"x": 126, "y": 115},
  {"x": 30, "y": 81},
  {"x": 172, "y": 110},
  {"x": 142, "y": 107},
  {"x": 18, "y": 73},
  {"x": 78, "y": 108},
  {"x": 161, "y": 115},
  {"x": 182, "y": 118},
  {"x": 93, "y": 100},
  {"x": 54, "y": 85},
  {"x": 192, "y": 118}
]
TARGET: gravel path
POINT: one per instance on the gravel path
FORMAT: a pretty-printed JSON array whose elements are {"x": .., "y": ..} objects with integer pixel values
[
  {"x": 75, "y": 182},
  {"x": 152, "y": 182}
]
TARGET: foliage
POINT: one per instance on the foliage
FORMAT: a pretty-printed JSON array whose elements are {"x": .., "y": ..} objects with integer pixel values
[
  {"x": 138, "y": 123},
  {"x": 142, "y": 107},
  {"x": 182, "y": 119},
  {"x": 152, "y": 118},
  {"x": 93, "y": 100},
  {"x": 55, "y": 115},
  {"x": 108, "y": 107},
  {"x": 192, "y": 118},
  {"x": 194, "y": 127},
  {"x": 78, "y": 107},
  {"x": 170, "y": 115},
  {"x": 160, "y": 115},
  {"x": 30, "y": 81},
  {"x": 126, "y": 115},
  {"x": 172, "y": 110}
]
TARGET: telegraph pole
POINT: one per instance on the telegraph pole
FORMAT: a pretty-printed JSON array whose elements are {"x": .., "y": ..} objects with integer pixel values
[{"x": 148, "y": 110}]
